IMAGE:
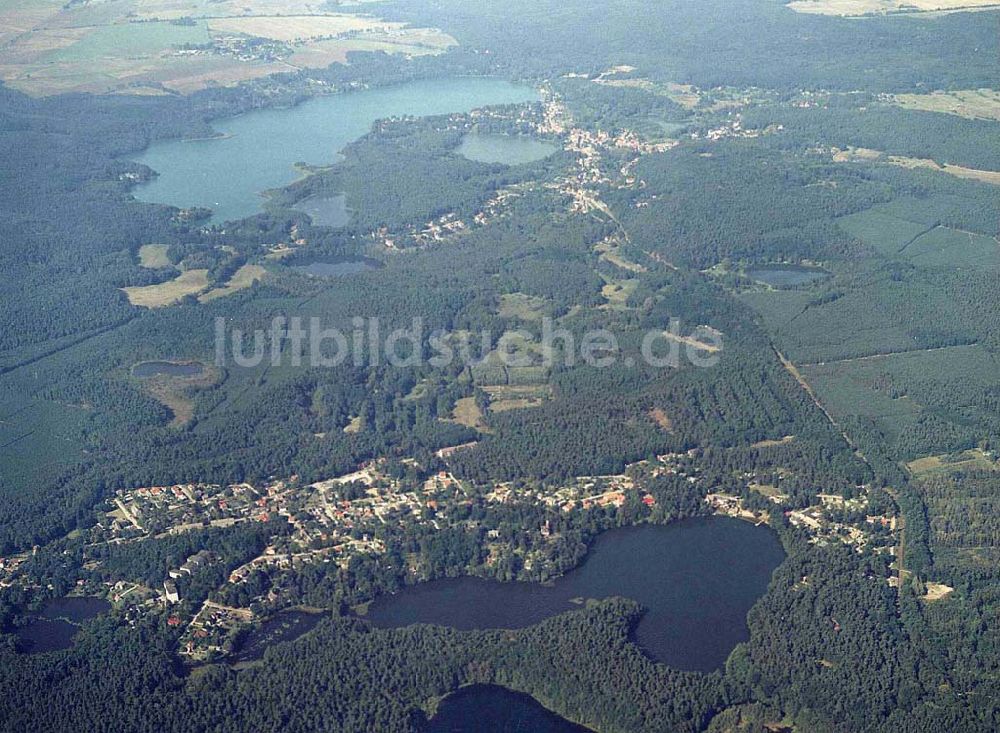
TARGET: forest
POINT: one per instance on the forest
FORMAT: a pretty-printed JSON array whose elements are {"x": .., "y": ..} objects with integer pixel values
[{"x": 697, "y": 147}]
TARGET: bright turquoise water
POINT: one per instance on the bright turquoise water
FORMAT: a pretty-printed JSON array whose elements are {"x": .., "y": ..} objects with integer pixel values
[{"x": 258, "y": 150}]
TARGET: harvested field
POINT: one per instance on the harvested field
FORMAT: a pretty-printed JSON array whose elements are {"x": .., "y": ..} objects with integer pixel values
[
  {"x": 970, "y": 460},
  {"x": 299, "y": 28},
  {"x": 143, "y": 46},
  {"x": 867, "y": 155},
  {"x": 467, "y": 413},
  {"x": 190, "y": 282},
  {"x": 154, "y": 256},
  {"x": 973, "y": 104},
  {"x": 519, "y": 305},
  {"x": 854, "y": 8},
  {"x": 243, "y": 278}
]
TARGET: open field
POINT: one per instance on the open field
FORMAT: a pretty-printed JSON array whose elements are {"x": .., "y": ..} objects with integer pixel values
[
  {"x": 617, "y": 292},
  {"x": 467, "y": 413},
  {"x": 869, "y": 156},
  {"x": 320, "y": 54},
  {"x": 130, "y": 40},
  {"x": 243, "y": 278},
  {"x": 154, "y": 256},
  {"x": 21, "y": 17},
  {"x": 190, "y": 282},
  {"x": 659, "y": 416},
  {"x": 175, "y": 393},
  {"x": 786, "y": 440},
  {"x": 969, "y": 460},
  {"x": 974, "y": 104},
  {"x": 519, "y": 305},
  {"x": 162, "y": 46},
  {"x": 937, "y": 591},
  {"x": 515, "y": 397},
  {"x": 853, "y": 8},
  {"x": 299, "y": 28}
]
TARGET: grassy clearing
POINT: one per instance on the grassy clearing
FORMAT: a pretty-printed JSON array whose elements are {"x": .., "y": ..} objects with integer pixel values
[
  {"x": 130, "y": 46},
  {"x": 867, "y": 155},
  {"x": 517, "y": 397},
  {"x": 243, "y": 278},
  {"x": 187, "y": 283},
  {"x": 662, "y": 419},
  {"x": 176, "y": 393},
  {"x": 299, "y": 28},
  {"x": 617, "y": 292},
  {"x": 768, "y": 491},
  {"x": 973, "y": 104},
  {"x": 521, "y": 306},
  {"x": 129, "y": 40},
  {"x": 936, "y": 591},
  {"x": 467, "y": 413},
  {"x": 610, "y": 252},
  {"x": 853, "y": 8},
  {"x": 947, "y": 463},
  {"x": 154, "y": 256},
  {"x": 774, "y": 443}
]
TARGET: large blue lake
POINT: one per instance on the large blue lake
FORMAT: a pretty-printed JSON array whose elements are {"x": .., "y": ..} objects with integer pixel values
[
  {"x": 696, "y": 581},
  {"x": 257, "y": 151}
]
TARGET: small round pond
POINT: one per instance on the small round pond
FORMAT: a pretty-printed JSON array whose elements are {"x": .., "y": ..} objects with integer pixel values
[
  {"x": 56, "y": 625},
  {"x": 508, "y": 149}
]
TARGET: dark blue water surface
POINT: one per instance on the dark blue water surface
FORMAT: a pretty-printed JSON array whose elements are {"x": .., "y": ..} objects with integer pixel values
[
  {"x": 56, "y": 625},
  {"x": 697, "y": 580},
  {"x": 492, "y": 709}
]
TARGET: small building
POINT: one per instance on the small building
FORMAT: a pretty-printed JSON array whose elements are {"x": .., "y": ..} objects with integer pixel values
[{"x": 171, "y": 592}]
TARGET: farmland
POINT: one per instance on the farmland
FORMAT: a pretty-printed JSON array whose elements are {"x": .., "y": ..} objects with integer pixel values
[
  {"x": 189, "y": 282},
  {"x": 976, "y": 104},
  {"x": 959, "y": 171},
  {"x": 175, "y": 46},
  {"x": 242, "y": 279},
  {"x": 154, "y": 256},
  {"x": 949, "y": 463},
  {"x": 853, "y": 8}
]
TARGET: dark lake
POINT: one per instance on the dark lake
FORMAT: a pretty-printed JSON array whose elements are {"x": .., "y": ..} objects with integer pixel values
[
  {"x": 282, "y": 627},
  {"x": 338, "y": 268},
  {"x": 787, "y": 276},
  {"x": 148, "y": 369},
  {"x": 508, "y": 149},
  {"x": 326, "y": 211},
  {"x": 492, "y": 709},
  {"x": 697, "y": 579},
  {"x": 57, "y": 624}
]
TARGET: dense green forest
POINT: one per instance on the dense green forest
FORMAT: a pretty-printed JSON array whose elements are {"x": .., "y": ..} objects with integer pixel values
[{"x": 697, "y": 149}]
